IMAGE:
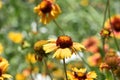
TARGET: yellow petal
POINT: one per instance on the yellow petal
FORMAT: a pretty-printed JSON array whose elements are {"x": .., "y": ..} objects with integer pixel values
[
  {"x": 91, "y": 75},
  {"x": 49, "y": 47},
  {"x": 78, "y": 46},
  {"x": 6, "y": 76},
  {"x": 62, "y": 53}
]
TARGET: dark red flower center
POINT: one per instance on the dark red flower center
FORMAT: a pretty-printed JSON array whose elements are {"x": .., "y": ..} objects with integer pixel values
[
  {"x": 116, "y": 24},
  {"x": 64, "y": 42},
  {"x": 46, "y": 6}
]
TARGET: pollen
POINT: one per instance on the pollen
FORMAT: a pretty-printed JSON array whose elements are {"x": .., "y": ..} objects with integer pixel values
[{"x": 64, "y": 42}]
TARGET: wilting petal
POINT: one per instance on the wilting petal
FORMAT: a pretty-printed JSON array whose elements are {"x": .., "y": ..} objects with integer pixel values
[{"x": 49, "y": 47}]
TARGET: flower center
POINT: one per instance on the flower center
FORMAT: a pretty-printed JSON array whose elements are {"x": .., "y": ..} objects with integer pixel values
[
  {"x": 116, "y": 24},
  {"x": 46, "y": 6},
  {"x": 64, "y": 42}
]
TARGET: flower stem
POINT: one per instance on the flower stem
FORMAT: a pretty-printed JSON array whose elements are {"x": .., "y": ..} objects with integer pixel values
[
  {"x": 58, "y": 26},
  {"x": 31, "y": 72},
  {"x": 65, "y": 69},
  {"x": 115, "y": 40},
  {"x": 113, "y": 76},
  {"x": 46, "y": 69}
]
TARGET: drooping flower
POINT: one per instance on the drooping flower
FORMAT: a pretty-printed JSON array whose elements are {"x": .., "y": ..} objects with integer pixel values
[
  {"x": 3, "y": 67},
  {"x": 64, "y": 47},
  {"x": 81, "y": 74},
  {"x": 114, "y": 24},
  {"x": 16, "y": 37},
  {"x": 38, "y": 48},
  {"x": 1, "y": 48},
  {"x": 91, "y": 44},
  {"x": 48, "y": 10}
]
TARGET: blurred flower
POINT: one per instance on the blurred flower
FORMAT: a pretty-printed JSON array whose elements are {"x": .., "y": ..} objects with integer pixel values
[
  {"x": 114, "y": 25},
  {"x": 25, "y": 44},
  {"x": 64, "y": 47},
  {"x": 1, "y": 48},
  {"x": 20, "y": 76},
  {"x": 84, "y": 2},
  {"x": 81, "y": 74},
  {"x": 94, "y": 60},
  {"x": 15, "y": 37},
  {"x": 38, "y": 48},
  {"x": 105, "y": 33},
  {"x": 104, "y": 66},
  {"x": 3, "y": 67},
  {"x": 91, "y": 44},
  {"x": 48, "y": 10},
  {"x": 30, "y": 58},
  {"x": 1, "y": 4},
  {"x": 58, "y": 73}
]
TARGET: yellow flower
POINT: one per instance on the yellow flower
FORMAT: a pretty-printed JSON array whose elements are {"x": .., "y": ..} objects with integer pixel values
[
  {"x": 1, "y": 48},
  {"x": 31, "y": 58},
  {"x": 1, "y": 4},
  {"x": 20, "y": 76},
  {"x": 3, "y": 67},
  {"x": 114, "y": 25},
  {"x": 15, "y": 37},
  {"x": 48, "y": 10},
  {"x": 64, "y": 47},
  {"x": 81, "y": 74},
  {"x": 84, "y": 2}
]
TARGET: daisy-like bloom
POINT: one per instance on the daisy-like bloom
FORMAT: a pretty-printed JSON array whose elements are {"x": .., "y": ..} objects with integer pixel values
[
  {"x": 91, "y": 44},
  {"x": 3, "y": 67},
  {"x": 64, "y": 47},
  {"x": 30, "y": 58},
  {"x": 15, "y": 37},
  {"x": 48, "y": 10},
  {"x": 1, "y": 48},
  {"x": 114, "y": 25},
  {"x": 81, "y": 74},
  {"x": 94, "y": 60}
]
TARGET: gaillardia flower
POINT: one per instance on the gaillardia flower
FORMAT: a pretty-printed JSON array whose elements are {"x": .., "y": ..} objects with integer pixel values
[
  {"x": 114, "y": 24},
  {"x": 16, "y": 37},
  {"x": 48, "y": 10},
  {"x": 3, "y": 67},
  {"x": 64, "y": 47},
  {"x": 81, "y": 74}
]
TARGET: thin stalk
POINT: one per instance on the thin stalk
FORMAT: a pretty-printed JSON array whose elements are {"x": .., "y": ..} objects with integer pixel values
[
  {"x": 65, "y": 69},
  {"x": 31, "y": 71},
  {"x": 113, "y": 76},
  {"x": 115, "y": 40},
  {"x": 46, "y": 69},
  {"x": 107, "y": 4},
  {"x": 58, "y": 26}
]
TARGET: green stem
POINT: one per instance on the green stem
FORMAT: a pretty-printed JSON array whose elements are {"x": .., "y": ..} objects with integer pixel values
[
  {"x": 115, "y": 40},
  {"x": 46, "y": 69},
  {"x": 113, "y": 76},
  {"x": 65, "y": 69},
  {"x": 58, "y": 26},
  {"x": 31, "y": 71}
]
